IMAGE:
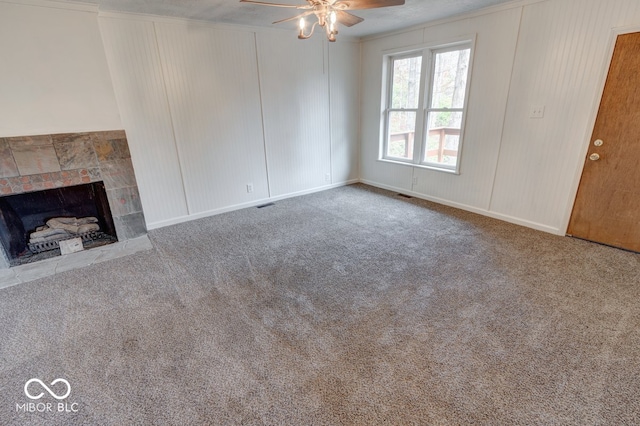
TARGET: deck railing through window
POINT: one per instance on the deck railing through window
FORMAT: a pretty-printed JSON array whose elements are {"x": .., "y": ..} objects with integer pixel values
[{"x": 403, "y": 143}]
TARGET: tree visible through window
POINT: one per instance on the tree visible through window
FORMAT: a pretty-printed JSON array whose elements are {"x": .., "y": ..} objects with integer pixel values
[
  {"x": 405, "y": 98},
  {"x": 425, "y": 106}
]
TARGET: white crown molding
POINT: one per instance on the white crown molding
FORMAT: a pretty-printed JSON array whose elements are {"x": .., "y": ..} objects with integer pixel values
[
  {"x": 51, "y": 4},
  {"x": 459, "y": 17}
]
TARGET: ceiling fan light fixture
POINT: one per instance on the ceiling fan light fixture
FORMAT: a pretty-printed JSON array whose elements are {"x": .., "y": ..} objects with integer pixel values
[
  {"x": 302, "y": 24},
  {"x": 326, "y": 12},
  {"x": 332, "y": 27}
]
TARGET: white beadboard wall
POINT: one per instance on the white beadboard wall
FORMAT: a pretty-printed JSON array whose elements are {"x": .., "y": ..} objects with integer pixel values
[
  {"x": 54, "y": 76},
  {"x": 134, "y": 61},
  {"x": 497, "y": 34},
  {"x": 294, "y": 79},
  {"x": 289, "y": 118},
  {"x": 212, "y": 86},
  {"x": 210, "y": 109},
  {"x": 344, "y": 100},
  {"x": 553, "y": 53},
  {"x": 563, "y": 55}
]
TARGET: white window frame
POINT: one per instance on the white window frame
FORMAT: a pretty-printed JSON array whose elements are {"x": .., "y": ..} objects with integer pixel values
[{"x": 428, "y": 53}]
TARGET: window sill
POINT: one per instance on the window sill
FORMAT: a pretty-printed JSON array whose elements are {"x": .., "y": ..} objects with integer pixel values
[{"x": 420, "y": 166}]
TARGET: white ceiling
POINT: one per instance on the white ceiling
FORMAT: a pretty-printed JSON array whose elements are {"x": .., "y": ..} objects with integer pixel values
[{"x": 233, "y": 12}]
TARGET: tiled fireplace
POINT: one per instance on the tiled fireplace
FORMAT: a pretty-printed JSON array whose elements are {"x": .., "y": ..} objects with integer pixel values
[{"x": 31, "y": 164}]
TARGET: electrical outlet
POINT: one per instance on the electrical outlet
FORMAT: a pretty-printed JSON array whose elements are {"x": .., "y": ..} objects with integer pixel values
[
  {"x": 415, "y": 181},
  {"x": 327, "y": 177},
  {"x": 536, "y": 111},
  {"x": 249, "y": 188}
]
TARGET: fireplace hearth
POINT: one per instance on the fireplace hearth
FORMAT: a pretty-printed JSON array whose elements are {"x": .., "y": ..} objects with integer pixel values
[{"x": 69, "y": 177}]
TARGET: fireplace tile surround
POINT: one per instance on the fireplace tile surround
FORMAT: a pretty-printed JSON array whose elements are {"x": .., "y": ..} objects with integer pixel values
[{"x": 35, "y": 163}]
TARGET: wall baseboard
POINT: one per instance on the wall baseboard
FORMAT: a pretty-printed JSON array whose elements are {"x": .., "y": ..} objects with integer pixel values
[
  {"x": 483, "y": 212},
  {"x": 182, "y": 219}
]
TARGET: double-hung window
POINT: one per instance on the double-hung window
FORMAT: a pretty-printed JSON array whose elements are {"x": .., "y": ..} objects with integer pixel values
[{"x": 425, "y": 106}]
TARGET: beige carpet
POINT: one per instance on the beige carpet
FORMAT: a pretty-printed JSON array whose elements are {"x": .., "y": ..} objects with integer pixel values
[{"x": 350, "y": 306}]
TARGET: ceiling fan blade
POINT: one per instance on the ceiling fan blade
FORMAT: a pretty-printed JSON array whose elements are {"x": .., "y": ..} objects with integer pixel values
[
  {"x": 347, "y": 19},
  {"x": 366, "y": 4},
  {"x": 302, "y": 15},
  {"x": 264, "y": 3}
]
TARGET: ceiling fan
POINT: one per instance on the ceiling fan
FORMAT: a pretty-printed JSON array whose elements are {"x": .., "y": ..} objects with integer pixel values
[{"x": 329, "y": 13}]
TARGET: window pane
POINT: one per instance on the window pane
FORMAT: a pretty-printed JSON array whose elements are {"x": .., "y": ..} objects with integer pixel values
[
  {"x": 443, "y": 138},
  {"x": 450, "y": 79},
  {"x": 405, "y": 92},
  {"x": 402, "y": 129}
]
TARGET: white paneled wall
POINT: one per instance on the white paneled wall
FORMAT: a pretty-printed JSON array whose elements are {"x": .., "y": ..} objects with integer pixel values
[
  {"x": 137, "y": 76},
  {"x": 552, "y": 53},
  {"x": 344, "y": 99},
  {"x": 212, "y": 109},
  {"x": 562, "y": 54},
  {"x": 54, "y": 76},
  {"x": 496, "y": 37},
  {"x": 212, "y": 85},
  {"x": 497, "y": 34},
  {"x": 294, "y": 79}
]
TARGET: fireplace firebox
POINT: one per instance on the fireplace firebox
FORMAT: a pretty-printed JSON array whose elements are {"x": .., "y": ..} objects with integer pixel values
[
  {"x": 27, "y": 221},
  {"x": 33, "y": 228}
]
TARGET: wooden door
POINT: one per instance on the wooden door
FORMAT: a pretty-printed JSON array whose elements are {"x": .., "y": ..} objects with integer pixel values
[{"x": 607, "y": 206}]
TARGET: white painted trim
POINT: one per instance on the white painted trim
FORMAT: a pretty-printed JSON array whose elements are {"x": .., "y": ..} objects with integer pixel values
[
  {"x": 628, "y": 29},
  {"x": 427, "y": 51},
  {"x": 467, "y": 93},
  {"x": 265, "y": 146},
  {"x": 418, "y": 166},
  {"x": 483, "y": 212},
  {"x": 451, "y": 19},
  {"x": 506, "y": 109},
  {"x": 432, "y": 45},
  {"x": 604, "y": 73},
  {"x": 70, "y": 5},
  {"x": 172, "y": 115},
  {"x": 182, "y": 219}
]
